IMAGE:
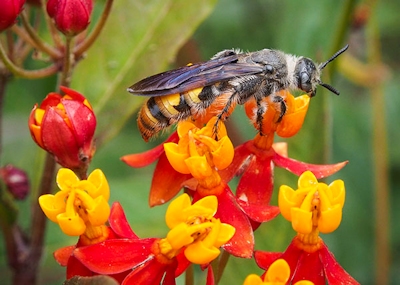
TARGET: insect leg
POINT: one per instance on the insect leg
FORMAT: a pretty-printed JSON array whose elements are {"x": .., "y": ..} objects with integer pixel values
[
  {"x": 260, "y": 114},
  {"x": 282, "y": 108},
  {"x": 224, "y": 111}
]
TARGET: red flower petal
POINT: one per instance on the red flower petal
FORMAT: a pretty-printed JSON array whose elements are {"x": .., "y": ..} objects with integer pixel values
[
  {"x": 298, "y": 167},
  {"x": 143, "y": 159},
  {"x": 169, "y": 278},
  {"x": 119, "y": 223},
  {"x": 335, "y": 274},
  {"x": 59, "y": 139},
  {"x": 52, "y": 99},
  {"x": 240, "y": 161},
  {"x": 256, "y": 184},
  {"x": 150, "y": 273},
  {"x": 82, "y": 119},
  {"x": 63, "y": 254},
  {"x": 259, "y": 213},
  {"x": 264, "y": 259},
  {"x": 76, "y": 268},
  {"x": 309, "y": 267},
  {"x": 75, "y": 95},
  {"x": 115, "y": 255},
  {"x": 210, "y": 276},
  {"x": 183, "y": 263},
  {"x": 166, "y": 182}
]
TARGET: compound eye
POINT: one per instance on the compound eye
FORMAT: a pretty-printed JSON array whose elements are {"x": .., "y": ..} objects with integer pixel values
[
  {"x": 269, "y": 69},
  {"x": 305, "y": 82}
]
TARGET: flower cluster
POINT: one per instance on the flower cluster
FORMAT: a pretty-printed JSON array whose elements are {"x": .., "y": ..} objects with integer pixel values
[
  {"x": 202, "y": 160},
  {"x": 209, "y": 217}
]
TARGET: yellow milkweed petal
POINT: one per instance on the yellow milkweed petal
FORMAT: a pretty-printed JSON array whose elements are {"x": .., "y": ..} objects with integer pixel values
[
  {"x": 199, "y": 253},
  {"x": 71, "y": 225},
  {"x": 66, "y": 178},
  {"x": 253, "y": 279},
  {"x": 173, "y": 215},
  {"x": 278, "y": 272},
  {"x": 175, "y": 158},
  {"x": 301, "y": 220},
  {"x": 98, "y": 179}
]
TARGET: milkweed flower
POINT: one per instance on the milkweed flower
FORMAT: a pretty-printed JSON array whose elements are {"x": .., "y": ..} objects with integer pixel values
[
  {"x": 195, "y": 228},
  {"x": 314, "y": 207},
  {"x": 202, "y": 152},
  {"x": 254, "y": 160},
  {"x": 194, "y": 237},
  {"x": 64, "y": 126},
  {"x": 70, "y": 16},
  {"x": 198, "y": 153},
  {"x": 118, "y": 229},
  {"x": 81, "y": 206},
  {"x": 9, "y": 11},
  {"x": 277, "y": 274}
]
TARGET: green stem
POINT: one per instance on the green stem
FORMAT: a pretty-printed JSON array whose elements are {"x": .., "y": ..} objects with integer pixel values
[
  {"x": 51, "y": 27},
  {"x": 380, "y": 159},
  {"x": 189, "y": 275},
  {"x": 29, "y": 74},
  {"x": 4, "y": 76},
  {"x": 65, "y": 76},
  {"x": 86, "y": 44},
  {"x": 222, "y": 262},
  {"x": 39, "y": 43},
  {"x": 340, "y": 35}
]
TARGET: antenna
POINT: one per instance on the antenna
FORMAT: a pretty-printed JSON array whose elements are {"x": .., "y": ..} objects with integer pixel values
[
  {"x": 322, "y": 65},
  {"x": 330, "y": 88}
]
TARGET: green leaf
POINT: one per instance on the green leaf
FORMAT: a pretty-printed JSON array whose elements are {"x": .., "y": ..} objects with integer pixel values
[{"x": 139, "y": 40}]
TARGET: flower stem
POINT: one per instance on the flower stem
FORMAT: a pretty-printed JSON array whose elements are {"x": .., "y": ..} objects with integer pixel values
[
  {"x": 39, "y": 43},
  {"x": 29, "y": 74},
  {"x": 189, "y": 275},
  {"x": 340, "y": 34},
  {"x": 86, "y": 44},
  {"x": 380, "y": 158},
  {"x": 223, "y": 260},
  {"x": 3, "y": 82},
  {"x": 65, "y": 76}
]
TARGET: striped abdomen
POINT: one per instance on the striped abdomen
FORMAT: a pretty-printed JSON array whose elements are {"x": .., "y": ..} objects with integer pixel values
[{"x": 159, "y": 112}]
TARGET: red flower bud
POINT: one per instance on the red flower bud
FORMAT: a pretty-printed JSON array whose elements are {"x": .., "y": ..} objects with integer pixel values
[
  {"x": 9, "y": 11},
  {"x": 16, "y": 180},
  {"x": 70, "y": 16},
  {"x": 64, "y": 126}
]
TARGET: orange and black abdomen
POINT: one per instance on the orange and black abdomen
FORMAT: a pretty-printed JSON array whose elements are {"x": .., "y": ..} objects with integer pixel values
[{"x": 159, "y": 112}]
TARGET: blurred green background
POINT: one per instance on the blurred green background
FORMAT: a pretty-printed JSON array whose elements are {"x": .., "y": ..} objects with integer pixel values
[{"x": 143, "y": 38}]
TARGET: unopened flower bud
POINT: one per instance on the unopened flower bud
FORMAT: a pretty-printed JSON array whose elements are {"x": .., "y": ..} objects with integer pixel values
[
  {"x": 64, "y": 126},
  {"x": 16, "y": 180},
  {"x": 70, "y": 16},
  {"x": 9, "y": 11}
]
